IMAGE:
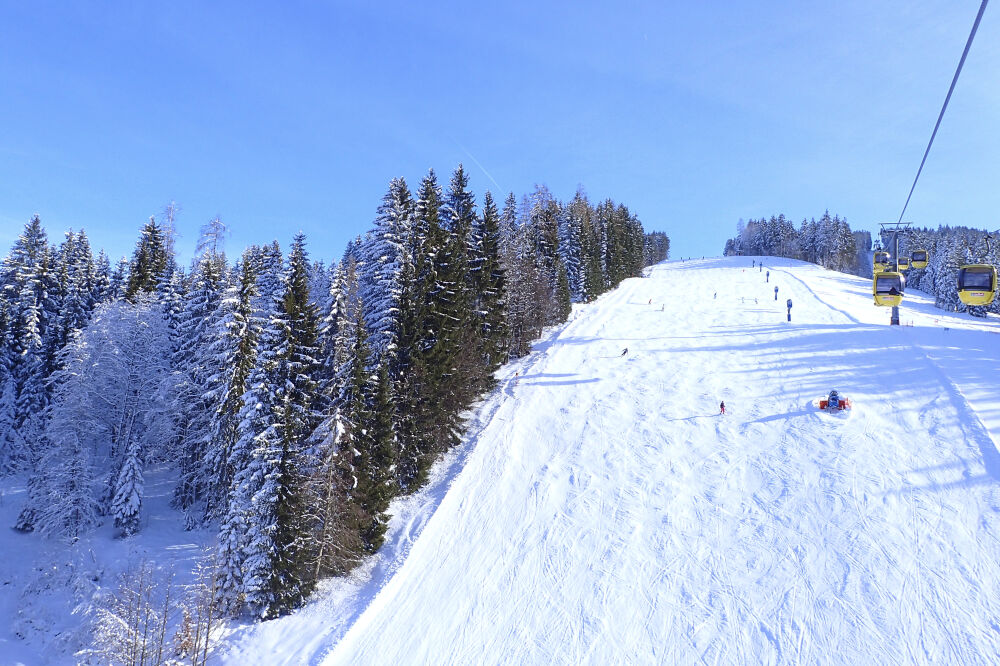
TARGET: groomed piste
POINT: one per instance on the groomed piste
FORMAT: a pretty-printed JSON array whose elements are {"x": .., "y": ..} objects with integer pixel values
[{"x": 602, "y": 511}]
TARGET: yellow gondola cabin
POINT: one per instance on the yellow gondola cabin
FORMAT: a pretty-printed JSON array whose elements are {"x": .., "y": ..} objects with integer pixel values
[
  {"x": 977, "y": 284},
  {"x": 887, "y": 288},
  {"x": 880, "y": 262}
]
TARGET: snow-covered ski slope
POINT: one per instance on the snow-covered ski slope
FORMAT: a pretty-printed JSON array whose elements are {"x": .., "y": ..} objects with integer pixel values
[{"x": 603, "y": 512}]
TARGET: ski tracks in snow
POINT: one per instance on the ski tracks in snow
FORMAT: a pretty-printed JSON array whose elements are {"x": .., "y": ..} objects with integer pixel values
[{"x": 608, "y": 514}]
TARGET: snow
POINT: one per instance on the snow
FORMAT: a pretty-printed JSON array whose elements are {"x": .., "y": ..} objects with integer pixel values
[
  {"x": 48, "y": 592},
  {"x": 602, "y": 511}
]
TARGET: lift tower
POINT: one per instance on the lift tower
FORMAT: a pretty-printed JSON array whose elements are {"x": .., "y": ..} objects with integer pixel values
[{"x": 896, "y": 228}]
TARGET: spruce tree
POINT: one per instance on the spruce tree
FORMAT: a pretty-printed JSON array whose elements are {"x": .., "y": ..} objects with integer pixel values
[
  {"x": 493, "y": 291},
  {"x": 149, "y": 261},
  {"x": 28, "y": 282},
  {"x": 233, "y": 355},
  {"x": 193, "y": 362},
  {"x": 126, "y": 500},
  {"x": 382, "y": 256},
  {"x": 382, "y": 486},
  {"x": 269, "y": 498}
]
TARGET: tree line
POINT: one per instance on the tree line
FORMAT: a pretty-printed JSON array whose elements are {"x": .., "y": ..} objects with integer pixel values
[
  {"x": 292, "y": 400},
  {"x": 828, "y": 242}
]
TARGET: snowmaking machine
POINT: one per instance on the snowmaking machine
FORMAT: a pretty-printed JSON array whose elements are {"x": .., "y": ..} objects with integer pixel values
[{"x": 834, "y": 402}]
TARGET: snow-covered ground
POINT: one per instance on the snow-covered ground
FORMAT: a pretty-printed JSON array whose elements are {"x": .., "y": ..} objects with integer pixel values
[
  {"x": 602, "y": 511},
  {"x": 48, "y": 590}
]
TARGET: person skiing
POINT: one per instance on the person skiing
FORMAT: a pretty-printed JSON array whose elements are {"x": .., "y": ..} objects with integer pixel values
[
  {"x": 767, "y": 276},
  {"x": 625, "y": 351},
  {"x": 722, "y": 407},
  {"x": 715, "y": 294},
  {"x": 775, "y": 292}
]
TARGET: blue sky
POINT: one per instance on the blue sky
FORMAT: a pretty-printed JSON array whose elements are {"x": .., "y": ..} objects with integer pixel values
[{"x": 288, "y": 116}]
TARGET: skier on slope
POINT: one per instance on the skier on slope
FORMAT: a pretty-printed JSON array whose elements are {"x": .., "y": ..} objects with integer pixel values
[
  {"x": 625, "y": 351},
  {"x": 722, "y": 407}
]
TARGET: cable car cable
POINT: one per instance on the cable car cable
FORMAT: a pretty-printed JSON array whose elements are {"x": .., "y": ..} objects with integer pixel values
[{"x": 968, "y": 44}]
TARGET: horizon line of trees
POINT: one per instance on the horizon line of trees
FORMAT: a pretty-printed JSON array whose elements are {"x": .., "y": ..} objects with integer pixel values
[
  {"x": 829, "y": 242},
  {"x": 292, "y": 400}
]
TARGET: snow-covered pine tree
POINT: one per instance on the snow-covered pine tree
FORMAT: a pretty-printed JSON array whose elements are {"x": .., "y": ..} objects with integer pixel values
[
  {"x": 126, "y": 498},
  {"x": 118, "y": 280},
  {"x": 382, "y": 486},
  {"x": 193, "y": 412},
  {"x": 320, "y": 281},
  {"x": 101, "y": 290},
  {"x": 269, "y": 492},
  {"x": 233, "y": 354},
  {"x": 27, "y": 280},
  {"x": 954, "y": 254},
  {"x": 426, "y": 427},
  {"x": 563, "y": 296},
  {"x": 593, "y": 282},
  {"x": 460, "y": 279},
  {"x": 271, "y": 267},
  {"x": 354, "y": 405},
  {"x": 331, "y": 339},
  {"x": 13, "y": 452},
  {"x": 575, "y": 215},
  {"x": 149, "y": 261},
  {"x": 249, "y": 517},
  {"x": 383, "y": 254},
  {"x": 508, "y": 225},
  {"x": 300, "y": 352},
  {"x": 335, "y": 519},
  {"x": 493, "y": 303}
]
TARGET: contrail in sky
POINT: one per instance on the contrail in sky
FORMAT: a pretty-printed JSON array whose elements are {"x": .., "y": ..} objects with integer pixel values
[{"x": 500, "y": 190}]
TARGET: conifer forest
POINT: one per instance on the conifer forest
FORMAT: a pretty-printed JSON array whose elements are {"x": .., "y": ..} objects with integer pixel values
[{"x": 290, "y": 399}]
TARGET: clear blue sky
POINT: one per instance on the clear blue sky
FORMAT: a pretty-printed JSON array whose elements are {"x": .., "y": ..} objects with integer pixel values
[{"x": 287, "y": 116}]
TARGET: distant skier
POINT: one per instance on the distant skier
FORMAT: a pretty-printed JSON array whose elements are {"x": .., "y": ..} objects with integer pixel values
[
  {"x": 753, "y": 264},
  {"x": 714, "y": 295},
  {"x": 776, "y": 292},
  {"x": 767, "y": 276},
  {"x": 722, "y": 407},
  {"x": 650, "y": 301},
  {"x": 625, "y": 351}
]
